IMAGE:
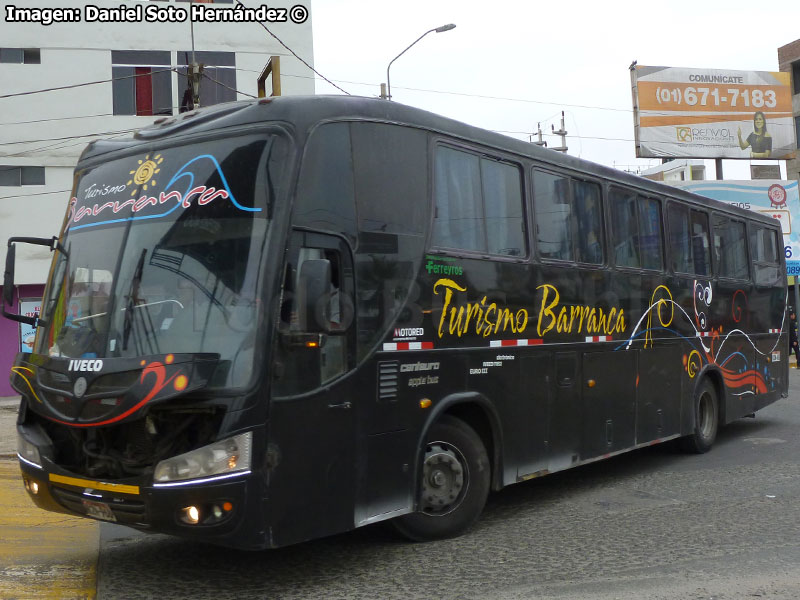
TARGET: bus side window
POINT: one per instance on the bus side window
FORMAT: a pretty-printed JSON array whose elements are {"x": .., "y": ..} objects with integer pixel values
[
  {"x": 623, "y": 221},
  {"x": 478, "y": 204},
  {"x": 764, "y": 253},
  {"x": 588, "y": 214},
  {"x": 729, "y": 248},
  {"x": 679, "y": 239},
  {"x": 701, "y": 248},
  {"x": 553, "y": 215},
  {"x": 650, "y": 244},
  {"x": 325, "y": 196}
]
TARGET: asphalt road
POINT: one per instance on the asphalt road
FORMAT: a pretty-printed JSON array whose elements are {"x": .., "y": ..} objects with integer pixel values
[{"x": 651, "y": 524}]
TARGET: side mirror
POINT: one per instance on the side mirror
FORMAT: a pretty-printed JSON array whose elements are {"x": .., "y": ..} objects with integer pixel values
[
  {"x": 8, "y": 278},
  {"x": 8, "y": 291},
  {"x": 314, "y": 286}
]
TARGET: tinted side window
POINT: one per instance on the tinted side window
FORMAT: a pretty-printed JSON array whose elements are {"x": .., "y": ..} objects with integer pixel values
[
  {"x": 458, "y": 220},
  {"x": 636, "y": 223},
  {"x": 325, "y": 197},
  {"x": 553, "y": 214},
  {"x": 502, "y": 193},
  {"x": 588, "y": 217},
  {"x": 624, "y": 223},
  {"x": 391, "y": 177},
  {"x": 650, "y": 233},
  {"x": 701, "y": 249},
  {"x": 764, "y": 251},
  {"x": 729, "y": 248},
  {"x": 689, "y": 243},
  {"x": 478, "y": 204}
]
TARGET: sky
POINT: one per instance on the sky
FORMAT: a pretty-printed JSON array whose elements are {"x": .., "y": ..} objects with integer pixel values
[{"x": 509, "y": 65}]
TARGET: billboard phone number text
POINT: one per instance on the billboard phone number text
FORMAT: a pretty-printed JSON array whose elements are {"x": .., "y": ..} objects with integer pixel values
[{"x": 701, "y": 96}]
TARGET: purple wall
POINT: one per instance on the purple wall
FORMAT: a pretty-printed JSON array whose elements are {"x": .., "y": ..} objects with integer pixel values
[{"x": 9, "y": 336}]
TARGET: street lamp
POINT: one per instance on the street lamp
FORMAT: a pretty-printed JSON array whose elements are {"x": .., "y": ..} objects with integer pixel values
[{"x": 447, "y": 27}]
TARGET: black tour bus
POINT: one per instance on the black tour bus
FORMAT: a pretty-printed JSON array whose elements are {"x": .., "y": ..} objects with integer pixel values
[{"x": 275, "y": 320}]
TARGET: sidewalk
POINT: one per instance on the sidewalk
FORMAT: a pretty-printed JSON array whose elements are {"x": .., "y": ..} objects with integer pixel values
[{"x": 8, "y": 426}]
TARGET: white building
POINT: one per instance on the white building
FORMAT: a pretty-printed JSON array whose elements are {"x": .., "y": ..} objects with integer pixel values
[
  {"x": 677, "y": 170},
  {"x": 107, "y": 79}
]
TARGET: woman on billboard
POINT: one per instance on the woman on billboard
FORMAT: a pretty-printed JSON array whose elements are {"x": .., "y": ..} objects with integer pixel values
[{"x": 759, "y": 141}]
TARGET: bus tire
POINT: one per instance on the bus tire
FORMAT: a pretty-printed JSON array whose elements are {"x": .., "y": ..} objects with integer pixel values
[
  {"x": 454, "y": 483},
  {"x": 706, "y": 420}
]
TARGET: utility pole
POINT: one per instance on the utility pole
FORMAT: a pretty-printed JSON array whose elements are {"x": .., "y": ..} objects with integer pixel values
[
  {"x": 194, "y": 73},
  {"x": 562, "y": 133},
  {"x": 540, "y": 141}
]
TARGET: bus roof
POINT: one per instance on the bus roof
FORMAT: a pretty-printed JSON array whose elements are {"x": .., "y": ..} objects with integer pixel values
[{"x": 302, "y": 113}]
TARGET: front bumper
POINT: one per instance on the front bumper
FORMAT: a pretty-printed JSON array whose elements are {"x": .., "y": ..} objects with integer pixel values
[{"x": 137, "y": 503}]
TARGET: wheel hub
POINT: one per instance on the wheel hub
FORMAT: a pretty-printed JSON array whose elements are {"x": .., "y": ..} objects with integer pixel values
[{"x": 443, "y": 480}]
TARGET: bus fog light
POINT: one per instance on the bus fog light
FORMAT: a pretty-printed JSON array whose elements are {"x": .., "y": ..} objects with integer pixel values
[
  {"x": 190, "y": 515},
  {"x": 34, "y": 487},
  {"x": 227, "y": 456}
]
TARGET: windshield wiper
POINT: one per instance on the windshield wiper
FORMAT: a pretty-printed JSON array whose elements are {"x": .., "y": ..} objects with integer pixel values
[{"x": 133, "y": 293}]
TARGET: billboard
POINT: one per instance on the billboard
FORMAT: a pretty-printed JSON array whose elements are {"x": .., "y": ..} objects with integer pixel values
[
  {"x": 776, "y": 198},
  {"x": 712, "y": 113}
]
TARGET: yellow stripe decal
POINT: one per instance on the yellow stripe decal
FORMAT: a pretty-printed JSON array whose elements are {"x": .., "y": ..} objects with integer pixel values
[
  {"x": 17, "y": 370},
  {"x": 96, "y": 485}
]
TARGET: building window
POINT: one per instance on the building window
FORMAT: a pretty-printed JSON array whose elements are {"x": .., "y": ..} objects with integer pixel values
[
  {"x": 218, "y": 83},
  {"x": 142, "y": 83},
  {"x": 796, "y": 76},
  {"x": 28, "y": 56},
  {"x": 13, "y": 175}
]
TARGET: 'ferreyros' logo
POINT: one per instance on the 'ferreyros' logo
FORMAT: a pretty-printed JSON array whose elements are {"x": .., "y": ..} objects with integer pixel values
[{"x": 85, "y": 365}]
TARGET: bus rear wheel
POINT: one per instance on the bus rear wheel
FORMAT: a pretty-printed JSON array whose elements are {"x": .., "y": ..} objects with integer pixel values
[
  {"x": 706, "y": 420},
  {"x": 454, "y": 483}
]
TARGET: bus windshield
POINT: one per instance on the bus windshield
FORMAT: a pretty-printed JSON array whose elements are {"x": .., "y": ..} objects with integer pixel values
[{"x": 164, "y": 254}]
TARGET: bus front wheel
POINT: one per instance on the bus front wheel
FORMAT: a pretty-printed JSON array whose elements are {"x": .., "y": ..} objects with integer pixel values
[
  {"x": 454, "y": 483},
  {"x": 706, "y": 420}
]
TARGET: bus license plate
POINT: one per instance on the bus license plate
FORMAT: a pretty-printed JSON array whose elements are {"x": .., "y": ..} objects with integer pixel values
[{"x": 98, "y": 510}]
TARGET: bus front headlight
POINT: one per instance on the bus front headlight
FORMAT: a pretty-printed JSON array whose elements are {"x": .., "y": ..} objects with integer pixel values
[
  {"x": 228, "y": 456},
  {"x": 28, "y": 452}
]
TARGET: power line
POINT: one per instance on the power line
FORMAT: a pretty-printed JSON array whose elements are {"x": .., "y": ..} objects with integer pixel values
[
  {"x": 59, "y": 119},
  {"x": 295, "y": 54},
  {"x": 77, "y": 85},
  {"x": 37, "y": 194},
  {"x": 69, "y": 137}
]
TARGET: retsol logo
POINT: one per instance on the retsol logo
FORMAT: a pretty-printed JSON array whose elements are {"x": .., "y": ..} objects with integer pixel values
[{"x": 777, "y": 196}]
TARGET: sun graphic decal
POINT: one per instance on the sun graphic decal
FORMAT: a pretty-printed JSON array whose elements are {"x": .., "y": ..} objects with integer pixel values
[{"x": 143, "y": 174}]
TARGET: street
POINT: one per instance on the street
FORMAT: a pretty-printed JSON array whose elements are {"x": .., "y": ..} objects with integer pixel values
[{"x": 650, "y": 524}]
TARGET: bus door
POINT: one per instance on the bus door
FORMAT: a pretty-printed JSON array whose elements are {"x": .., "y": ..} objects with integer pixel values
[{"x": 311, "y": 432}]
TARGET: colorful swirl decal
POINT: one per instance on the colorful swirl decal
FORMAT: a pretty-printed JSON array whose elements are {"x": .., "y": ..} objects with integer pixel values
[{"x": 157, "y": 369}]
